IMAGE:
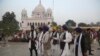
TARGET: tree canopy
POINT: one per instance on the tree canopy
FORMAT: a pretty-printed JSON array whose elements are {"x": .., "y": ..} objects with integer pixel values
[
  {"x": 82, "y": 24},
  {"x": 54, "y": 24},
  {"x": 70, "y": 23},
  {"x": 0, "y": 25},
  {"x": 9, "y": 23}
]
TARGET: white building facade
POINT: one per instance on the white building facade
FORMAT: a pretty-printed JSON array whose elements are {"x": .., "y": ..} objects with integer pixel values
[{"x": 40, "y": 16}]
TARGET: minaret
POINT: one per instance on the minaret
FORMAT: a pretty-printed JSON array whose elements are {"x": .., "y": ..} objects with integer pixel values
[{"x": 24, "y": 14}]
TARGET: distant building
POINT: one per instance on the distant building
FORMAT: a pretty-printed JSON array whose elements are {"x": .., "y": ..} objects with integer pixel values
[{"x": 40, "y": 16}]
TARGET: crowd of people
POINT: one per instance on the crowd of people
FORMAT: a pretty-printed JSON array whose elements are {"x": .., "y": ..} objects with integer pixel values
[
  {"x": 49, "y": 41},
  {"x": 59, "y": 41}
]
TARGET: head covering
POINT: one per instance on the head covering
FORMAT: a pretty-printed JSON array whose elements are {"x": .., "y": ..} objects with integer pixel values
[
  {"x": 64, "y": 27},
  {"x": 88, "y": 29},
  {"x": 79, "y": 30},
  {"x": 54, "y": 28},
  {"x": 45, "y": 28},
  {"x": 99, "y": 29},
  {"x": 40, "y": 28}
]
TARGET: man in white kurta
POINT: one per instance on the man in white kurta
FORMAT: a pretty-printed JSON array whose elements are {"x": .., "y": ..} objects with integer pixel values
[
  {"x": 46, "y": 44},
  {"x": 55, "y": 44},
  {"x": 30, "y": 36},
  {"x": 66, "y": 51},
  {"x": 80, "y": 47},
  {"x": 33, "y": 43},
  {"x": 40, "y": 44}
]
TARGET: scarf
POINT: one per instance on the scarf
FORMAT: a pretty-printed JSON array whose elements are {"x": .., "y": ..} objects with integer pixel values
[{"x": 79, "y": 46}]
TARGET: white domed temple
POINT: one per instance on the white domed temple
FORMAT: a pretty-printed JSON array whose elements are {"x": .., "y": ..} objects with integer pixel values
[{"x": 40, "y": 16}]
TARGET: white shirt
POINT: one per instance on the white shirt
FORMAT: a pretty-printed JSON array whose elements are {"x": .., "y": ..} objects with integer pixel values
[
  {"x": 68, "y": 37},
  {"x": 34, "y": 34},
  {"x": 46, "y": 36}
]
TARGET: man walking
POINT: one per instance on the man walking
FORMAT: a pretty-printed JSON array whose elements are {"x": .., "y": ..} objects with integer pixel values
[
  {"x": 65, "y": 40},
  {"x": 79, "y": 43},
  {"x": 98, "y": 33},
  {"x": 32, "y": 41},
  {"x": 88, "y": 36}
]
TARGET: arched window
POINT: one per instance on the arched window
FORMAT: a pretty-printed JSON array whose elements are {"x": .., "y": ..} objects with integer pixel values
[
  {"x": 41, "y": 24},
  {"x": 22, "y": 21},
  {"x": 35, "y": 24},
  {"x": 48, "y": 23},
  {"x": 38, "y": 24},
  {"x": 48, "y": 14},
  {"x": 24, "y": 15},
  {"x": 28, "y": 24}
]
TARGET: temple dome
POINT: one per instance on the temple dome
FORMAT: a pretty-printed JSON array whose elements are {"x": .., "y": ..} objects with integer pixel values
[
  {"x": 39, "y": 8},
  {"x": 49, "y": 10}
]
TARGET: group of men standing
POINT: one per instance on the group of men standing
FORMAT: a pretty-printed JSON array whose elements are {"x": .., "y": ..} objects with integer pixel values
[{"x": 47, "y": 41}]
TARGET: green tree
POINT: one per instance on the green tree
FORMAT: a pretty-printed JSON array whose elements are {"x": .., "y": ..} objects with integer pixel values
[
  {"x": 70, "y": 23},
  {"x": 0, "y": 25},
  {"x": 82, "y": 24},
  {"x": 54, "y": 24},
  {"x": 10, "y": 24}
]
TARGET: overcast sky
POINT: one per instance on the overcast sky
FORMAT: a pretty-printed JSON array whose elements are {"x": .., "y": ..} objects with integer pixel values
[{"x": 78, "y": 10}]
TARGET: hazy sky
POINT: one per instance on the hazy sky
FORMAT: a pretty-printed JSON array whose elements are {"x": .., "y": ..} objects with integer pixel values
[{"x": 78, "y": 10}]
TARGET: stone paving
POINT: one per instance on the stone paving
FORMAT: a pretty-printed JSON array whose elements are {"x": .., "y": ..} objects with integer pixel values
[
  {"x": 21, "y": 49},
  {"x": 95, "y": 47},
  {"x": 15, "y": 49}
]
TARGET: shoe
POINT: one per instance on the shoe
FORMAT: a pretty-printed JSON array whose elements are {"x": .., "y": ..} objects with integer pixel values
[
  {"x": 91, "y": 54},
  {"x": 98, "y": 48},
  {"x": 92, "y": 50}
]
